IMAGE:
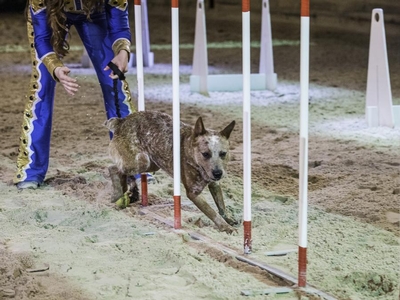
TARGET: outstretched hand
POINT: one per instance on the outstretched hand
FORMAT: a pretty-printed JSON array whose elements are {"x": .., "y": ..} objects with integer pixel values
[
  {"x": 121, "y": 61},
  {"x": 69, "y": 83}
]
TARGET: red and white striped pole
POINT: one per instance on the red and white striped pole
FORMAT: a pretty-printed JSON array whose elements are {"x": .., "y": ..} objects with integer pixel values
[
  {"x": 140, "y": 82},
  {"x": 303, "y": 179},
  {"x": 246, "y": 126},
  {"x": 176, "y": 113}
]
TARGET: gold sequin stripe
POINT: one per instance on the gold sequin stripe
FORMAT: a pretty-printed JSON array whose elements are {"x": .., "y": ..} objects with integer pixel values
[
  {"x": 24, "y": 156},
  {"x": 70, "y": 6},
  {"x": 51, "y": 61},
  {"x": 122, "y": 44},
  {"x": 128, "y": 97},
  {"x": 120, "y": 4},
  {"x": 37, "y": 5}
]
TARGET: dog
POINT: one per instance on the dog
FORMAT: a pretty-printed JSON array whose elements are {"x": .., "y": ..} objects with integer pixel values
[{"x": 143, "y": 142}]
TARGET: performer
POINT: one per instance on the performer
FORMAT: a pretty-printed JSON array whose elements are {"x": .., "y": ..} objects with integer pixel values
[{"x": 103, "y": 27}]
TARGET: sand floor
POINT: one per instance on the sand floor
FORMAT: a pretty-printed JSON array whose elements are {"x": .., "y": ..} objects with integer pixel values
[{"x": 67, "y": 241}]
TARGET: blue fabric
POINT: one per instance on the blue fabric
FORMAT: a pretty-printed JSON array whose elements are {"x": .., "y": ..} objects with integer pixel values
[
  {"x": 98, "y": 44},
  {"x": 97, "y": 35},
  {"x": 40, "y": 132},
  {"x": 42, "y": 33}
]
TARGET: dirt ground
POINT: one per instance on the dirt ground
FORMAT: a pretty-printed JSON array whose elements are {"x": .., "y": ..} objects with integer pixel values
[{"x": 66, "y": 241}]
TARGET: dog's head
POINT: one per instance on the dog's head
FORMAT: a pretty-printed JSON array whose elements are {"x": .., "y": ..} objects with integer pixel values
[{"x": 211, "y": 149}]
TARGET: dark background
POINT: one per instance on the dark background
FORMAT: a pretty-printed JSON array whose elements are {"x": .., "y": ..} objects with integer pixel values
[{"x": 12, "y": 5}]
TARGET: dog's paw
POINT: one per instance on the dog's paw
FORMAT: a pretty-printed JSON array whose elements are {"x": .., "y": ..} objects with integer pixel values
[
  {"x": 231, "y": 220},
  {"x": 229, "y": 216},
  {"x": 124, "y": 201},
  {"x": 133, "y": 194},
  {"x": 228, "y": 229}
]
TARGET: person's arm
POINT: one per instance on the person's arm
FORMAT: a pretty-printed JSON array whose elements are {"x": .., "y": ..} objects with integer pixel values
[
  {"x": 42, "y": 37},
  {"x": 44, "y": 48},
  {"x": 120, "y": 34}
]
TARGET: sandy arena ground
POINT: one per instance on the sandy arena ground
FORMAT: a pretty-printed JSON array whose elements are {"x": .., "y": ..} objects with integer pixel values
[{"x": 66, "y": 241}]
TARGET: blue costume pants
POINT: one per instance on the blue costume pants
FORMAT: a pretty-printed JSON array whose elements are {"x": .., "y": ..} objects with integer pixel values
[{"x": 33, "y": 158}]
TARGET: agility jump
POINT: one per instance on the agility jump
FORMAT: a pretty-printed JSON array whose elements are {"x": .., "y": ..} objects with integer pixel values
[{"x": 202, "y": 82}]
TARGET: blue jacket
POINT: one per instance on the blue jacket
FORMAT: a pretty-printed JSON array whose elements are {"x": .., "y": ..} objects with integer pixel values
[{"x": 118, "y": 27}]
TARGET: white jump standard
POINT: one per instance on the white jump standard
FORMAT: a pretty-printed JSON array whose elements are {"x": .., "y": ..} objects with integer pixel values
[
  {"x": 379, "y": 108},
  {"x": 202, "y": 82}
]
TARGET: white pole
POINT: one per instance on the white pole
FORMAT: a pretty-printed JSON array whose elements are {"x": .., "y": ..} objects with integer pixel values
[
  {"x": 148, "y": 57},
  {"x": 303, "y": 178},
  {"x": 379, "y": 104},
  {"x": 266, "y": 65},
  {"x": 266, "y": 55},
  {"x": 246, "y": 126},
  {"x": 200, "y": 55},
  {"x": 176, "y": 111},
  {"x": 139, "y": 54}
]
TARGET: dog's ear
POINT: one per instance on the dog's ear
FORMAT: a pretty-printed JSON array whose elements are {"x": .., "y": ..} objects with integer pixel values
[
  {"x": 226, "y": 132},
  {"x": 199, "y": 128}
]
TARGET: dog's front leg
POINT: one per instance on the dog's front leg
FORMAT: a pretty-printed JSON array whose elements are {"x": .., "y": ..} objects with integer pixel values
[
  {"x": 202, "y": 204},
  {"x": 119, "y": 183},
  {"x": 216, "y": 192}
]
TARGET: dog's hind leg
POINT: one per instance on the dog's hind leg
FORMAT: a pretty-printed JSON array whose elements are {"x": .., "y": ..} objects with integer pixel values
[
  {"x": 202, "y": 204},
  {"x": 216, "y": 192},
  {"x": 119, "y": 183}
]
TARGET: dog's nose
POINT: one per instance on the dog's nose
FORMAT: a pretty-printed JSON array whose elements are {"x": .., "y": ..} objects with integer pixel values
[{"x": 217, "y": 174}]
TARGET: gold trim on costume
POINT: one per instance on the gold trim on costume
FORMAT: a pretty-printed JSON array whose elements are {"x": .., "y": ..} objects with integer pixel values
[
  {"x": 70, "y": 6},
  {"x": 37, "y": 5},
  {"x": 120, "y": 4},
  {"x": 122, "y": 44},
  {"x": 23, "y": 159},
  {"x": 128, "y": 97},
  {"x": 51, "y": 61}
]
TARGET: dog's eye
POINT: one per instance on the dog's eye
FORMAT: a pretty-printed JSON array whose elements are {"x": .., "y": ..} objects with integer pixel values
[
  {"x": 206, "y": 154},
  {"x": 222, "y": 154}
]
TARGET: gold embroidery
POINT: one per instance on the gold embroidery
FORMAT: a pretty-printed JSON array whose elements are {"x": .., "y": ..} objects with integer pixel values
[
  {"x": 120, "y": 4},
  {"x": 70, "y": 6},
  {"x": 37, "y": 5},
  {"x": 23, "y": 156},
  {"x": 128, "y": 97},
  {"x": 51, "y": 61},
  {"x": 122, "y": 44}
]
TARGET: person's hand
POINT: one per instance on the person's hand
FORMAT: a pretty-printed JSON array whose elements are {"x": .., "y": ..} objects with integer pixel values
[
  {"x": 121, "y": 61},
  {"x": 69, "y": 83}
]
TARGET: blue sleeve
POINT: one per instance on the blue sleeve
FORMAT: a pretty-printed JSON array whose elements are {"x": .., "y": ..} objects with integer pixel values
[
  {"x": 118, "y": 21},
  {"x": 42, "y": 33}
]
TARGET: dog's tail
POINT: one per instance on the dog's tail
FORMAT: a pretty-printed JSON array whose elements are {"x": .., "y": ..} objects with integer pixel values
[{"x": 112, "y": 123}]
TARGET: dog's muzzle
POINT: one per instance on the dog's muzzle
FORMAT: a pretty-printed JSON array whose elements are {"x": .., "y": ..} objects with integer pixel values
[{"x": 217, "y": 174}]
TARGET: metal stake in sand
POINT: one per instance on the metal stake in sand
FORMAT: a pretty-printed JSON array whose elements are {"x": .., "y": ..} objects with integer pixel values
[
  {"x": 176, "y": 113},
  {"x": 303, "y": 179},
  {"x": 246, "y": 126},
  {"x": 140, "y": 82}
]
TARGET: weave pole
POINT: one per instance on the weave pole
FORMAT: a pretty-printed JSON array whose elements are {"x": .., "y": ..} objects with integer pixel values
[
  {"x": 303, "y": 178},
  {"x": 140, "y": 82},
  {"x": 139, "y": 53},
  {"x": 176, "y": 113},
  {"x": 246, "y": 126}
]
